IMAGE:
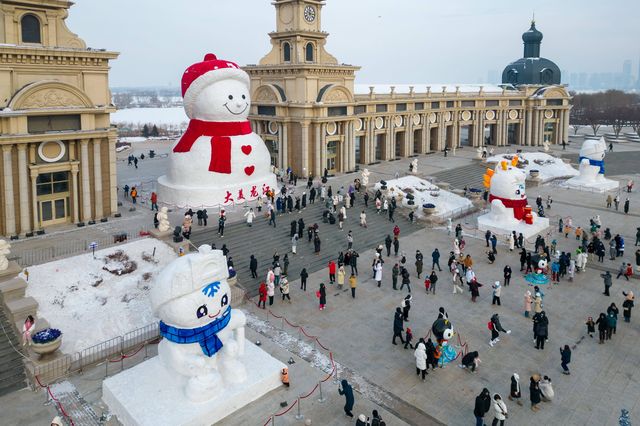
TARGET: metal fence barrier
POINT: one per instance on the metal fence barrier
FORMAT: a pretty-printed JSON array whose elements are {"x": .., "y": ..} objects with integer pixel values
[{"x": 115, "y": 350}]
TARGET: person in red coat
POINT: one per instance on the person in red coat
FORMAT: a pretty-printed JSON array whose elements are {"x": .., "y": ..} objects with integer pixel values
[
  {"x": 332, "y": 272},
  {"x": 262, "y": 291}
]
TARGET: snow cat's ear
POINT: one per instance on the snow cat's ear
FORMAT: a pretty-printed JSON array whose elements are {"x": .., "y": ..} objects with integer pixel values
[
  {"x": 514, "y": 161},
  {"x": 486, "y": 178}
]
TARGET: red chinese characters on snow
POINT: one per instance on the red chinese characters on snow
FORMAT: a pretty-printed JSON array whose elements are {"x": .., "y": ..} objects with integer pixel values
[{"x": 239, "y": 197}]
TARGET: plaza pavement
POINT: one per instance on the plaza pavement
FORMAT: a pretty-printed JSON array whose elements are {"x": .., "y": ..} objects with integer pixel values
[{"x": 604, "y": 377}]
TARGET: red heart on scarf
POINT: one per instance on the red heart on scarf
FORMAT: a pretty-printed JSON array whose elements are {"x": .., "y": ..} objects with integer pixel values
[
  {"x": 246, "y": 149},
  {"x": 249, "y": 170}
]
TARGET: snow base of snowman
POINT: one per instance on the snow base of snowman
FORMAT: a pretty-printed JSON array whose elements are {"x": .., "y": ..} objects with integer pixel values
[
  {"x": 500, "y": 221},
  {"x": 199, "y": 197},
  {"x": 599, "y": 184},
  {"x": 150, "y": 394}
]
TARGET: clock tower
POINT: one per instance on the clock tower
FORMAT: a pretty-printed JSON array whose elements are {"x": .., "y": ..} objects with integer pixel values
[{"x": 296, "y": 86}]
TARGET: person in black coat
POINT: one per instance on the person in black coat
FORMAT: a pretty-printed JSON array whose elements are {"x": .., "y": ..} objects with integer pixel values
[
  {"x": 398, "y": 326},
  {"x": 387, "y": 243},
  {"x": 534, "y": 392},
  {"x": 507, "y": 275},
  {"x": 603, "y": 326},
  {"x": 294, "y": 228},
  {"x": 300, "y": 228},
  {"x": 627, "y": 305},
  {"x": 253, "y": 266},
  {"x": 353, "y": 262},
  {"x": 468, "y": 361},
  {"x": 523, "y": 258},
  {"x": 303, "y": 279},
  {"x": 565, "y": 354},
  {"x": 346, "y": 390},
  {"x": 515, "y": 394},
  {"x": 482, "y": 407},
  {"x": 541, "y": 329}
]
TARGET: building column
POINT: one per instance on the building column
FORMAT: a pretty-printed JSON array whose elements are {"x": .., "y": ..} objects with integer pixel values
[
  {"x": 521, "y": 133},
  {"x": 528, "y": 123},
  {"x": 424, "y": 146},
  {"x": 113, "y": 178},
  {"x": 565, "y": 130},
  {"x": 391, "y": 143},
  {"x": 23, "y": 180},
  {"x": 559, "y": 127},
  {"x": 34, "y": 198},
  {"x": 350, "y": 146},
  {"x": 86, "y": 186},
  {"x": 426, "y": 128},
  {"x": 317, "y": 150},
  {"x": 97, "y": 178},
  {"x": 442, "y": 132},
  {"x": 284, "y": 147},
  {"x": 9, "y": 205},
  {"x": 304, "y": 163},
  {"x": 74, "y": 193}
]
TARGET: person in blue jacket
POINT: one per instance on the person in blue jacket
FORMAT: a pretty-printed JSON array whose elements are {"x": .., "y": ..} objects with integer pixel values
[{"x": 346, "y": 390}]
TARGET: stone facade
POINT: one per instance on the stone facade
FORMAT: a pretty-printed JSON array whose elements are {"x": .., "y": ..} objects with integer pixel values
[
  {"x": 313, "y": 116},
  {"x": 58, "y": 147}
]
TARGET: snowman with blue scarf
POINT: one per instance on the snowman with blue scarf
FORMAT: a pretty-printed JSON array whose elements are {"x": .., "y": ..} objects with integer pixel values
[{"x": 203, "y": 338}]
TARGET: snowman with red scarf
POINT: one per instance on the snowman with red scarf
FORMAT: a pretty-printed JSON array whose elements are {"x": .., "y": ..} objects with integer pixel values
[{"x": 218, "y": 160}]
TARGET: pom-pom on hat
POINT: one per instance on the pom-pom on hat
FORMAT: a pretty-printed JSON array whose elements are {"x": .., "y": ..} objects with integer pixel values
[
  {"x": 188, "y": 274},
  {"x": 202, "y": 74}
]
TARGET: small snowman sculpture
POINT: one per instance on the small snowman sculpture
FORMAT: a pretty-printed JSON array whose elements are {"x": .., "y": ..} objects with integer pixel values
[
  {"x": 4, "y": 252},
  {"x": 218, "y": 160},
  {"x": 163, "y": 220},
  {"x": 506, "y": 192},
  {"x": 365, "y": 177},
  {"x": 592, "y": 160},
  {"x": 203, "y": 337}
]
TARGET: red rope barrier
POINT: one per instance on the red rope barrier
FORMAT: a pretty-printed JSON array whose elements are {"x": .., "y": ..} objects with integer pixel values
[
  {"x": 64, "y": 413},
  {"x": 321, "y": 345},
  {"x": 287, "y": 410},
  {"x": 274, "y": 315},
  {"x": 292, "y": 325},
  {"x": 310, "y": 393}
]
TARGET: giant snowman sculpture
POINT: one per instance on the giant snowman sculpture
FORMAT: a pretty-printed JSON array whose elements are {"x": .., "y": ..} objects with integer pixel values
[
  {"x": 205, "y": 369},
  {"x": 591, "y": 177},
  {"x": 509, "y": 207},
  {"x": 218, "y": 160}
]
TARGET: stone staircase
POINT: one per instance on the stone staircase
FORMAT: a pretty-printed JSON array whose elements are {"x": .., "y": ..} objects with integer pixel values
[
  {"x": 262, "y": 240},
  {"x": 12, "y": 374},
  {"x": 469, "y": 175}
]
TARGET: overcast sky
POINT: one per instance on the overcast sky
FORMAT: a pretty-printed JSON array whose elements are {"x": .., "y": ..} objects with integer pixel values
[{"x": 394, "y": 41}]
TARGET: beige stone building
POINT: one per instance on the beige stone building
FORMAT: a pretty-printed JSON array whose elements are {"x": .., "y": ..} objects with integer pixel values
[
  {"x": 58, "y": 147},
  {"x": 313, "y": 116}
]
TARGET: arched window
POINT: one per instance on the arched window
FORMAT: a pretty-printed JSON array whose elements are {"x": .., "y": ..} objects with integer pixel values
[
  {"x": 309, "y": 52},
  {"x": 30, "y": 29},
  {"x": 286, "y": 51}
]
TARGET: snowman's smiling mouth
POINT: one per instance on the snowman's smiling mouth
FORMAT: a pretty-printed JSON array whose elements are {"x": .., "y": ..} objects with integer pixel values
[
  {"x": 236, "y": 113},
  {"x": 213, "y": 316}
]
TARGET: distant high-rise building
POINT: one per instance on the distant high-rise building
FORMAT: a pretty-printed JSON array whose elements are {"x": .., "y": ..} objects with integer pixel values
[{"x": 626, "y": 67}]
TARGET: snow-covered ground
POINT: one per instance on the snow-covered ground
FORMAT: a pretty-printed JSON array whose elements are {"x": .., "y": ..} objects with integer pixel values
[
  {"x": 171, "y": 116},
  {"x": 425, "y": 192},
  {"x": 550, "y": 167},
  {"x": 91, "y": 305}
]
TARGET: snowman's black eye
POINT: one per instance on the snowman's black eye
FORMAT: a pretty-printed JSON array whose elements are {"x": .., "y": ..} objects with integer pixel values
[
  {"x": 202, "y": 311},
  {"x": 225, "y": 301},
  {"x": 244, "y": 97},
  {"x": 230, "y": 97}
]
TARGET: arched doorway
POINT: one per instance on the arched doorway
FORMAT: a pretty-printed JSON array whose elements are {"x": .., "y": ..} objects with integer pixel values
[
  {"x": 333, "y": 156},
  {"x": 399, "y": 145},
  {"x": 433, "y": 139},
  {"x": 381, "y": 144},
  {"x": 417, "y": 141}
]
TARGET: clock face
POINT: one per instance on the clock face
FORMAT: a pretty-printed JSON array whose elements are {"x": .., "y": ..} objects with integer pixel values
[{"x": 309, "y": 13}]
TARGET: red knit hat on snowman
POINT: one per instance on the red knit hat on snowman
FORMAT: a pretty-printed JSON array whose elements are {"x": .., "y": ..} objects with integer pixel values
[{"x": 202, "y": 74}]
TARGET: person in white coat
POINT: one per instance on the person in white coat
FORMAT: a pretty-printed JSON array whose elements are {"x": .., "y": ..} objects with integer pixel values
[
  {"x": 294, "y": 243},
  {"x": 546, "y": 389},
  {"x": 271, "y": 291},
  {"x": 343, "y": 210},
  {"x": 363, "y": 219},
  {"x": 512, "y": 242},
  {"x": 250, "y": 215},
  {"x": 378, "y": 275},
  {"x": 421, "y": 358},
  {"x": 499, "y": 410}
]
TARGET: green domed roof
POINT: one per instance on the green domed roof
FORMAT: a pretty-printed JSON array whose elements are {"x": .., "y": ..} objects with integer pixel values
[{"x": 533, "y": 35}]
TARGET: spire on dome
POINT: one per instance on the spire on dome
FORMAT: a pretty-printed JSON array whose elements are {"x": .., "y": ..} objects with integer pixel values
[{"x": 532, "y": 40}]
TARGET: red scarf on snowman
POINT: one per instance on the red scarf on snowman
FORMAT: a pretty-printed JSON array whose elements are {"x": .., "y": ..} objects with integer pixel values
[
  {"x": 220, "y": 133},
  {"x": 517, "y": 205}
]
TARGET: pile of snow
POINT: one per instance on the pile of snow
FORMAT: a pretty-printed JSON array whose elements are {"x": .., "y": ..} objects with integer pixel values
[
  {"x": 425, "y": 192},
  {"x": 550, "y": 167},
  {"x": 132, "y": 139},
  {"x": 171, "y": 116},
  {"x": 363, "y": 89},
  {"x": 88, "y": 303}
]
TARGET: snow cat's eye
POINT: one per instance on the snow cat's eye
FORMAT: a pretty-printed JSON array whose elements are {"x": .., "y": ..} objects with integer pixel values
[
  {"x": 202, "y": 311},
  {"x": 244, "y": 97},
  {"x": 225, "y": 301},
  {"x": 230, "y": 97}
]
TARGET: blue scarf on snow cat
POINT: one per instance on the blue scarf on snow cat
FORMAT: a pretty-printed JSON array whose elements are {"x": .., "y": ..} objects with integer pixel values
[
  {"x": 205, "y": 335},
  {"x": 597, "y": 163}
]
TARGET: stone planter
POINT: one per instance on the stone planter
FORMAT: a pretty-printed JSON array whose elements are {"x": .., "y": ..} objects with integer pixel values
[
  {"x": 534, "y": 173},
  {"x": 474, "y": 195},
  {"x": 428, "y": 209},
  {"x": 443, "y": 185},
  {"x": 46, "y": 348}
]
